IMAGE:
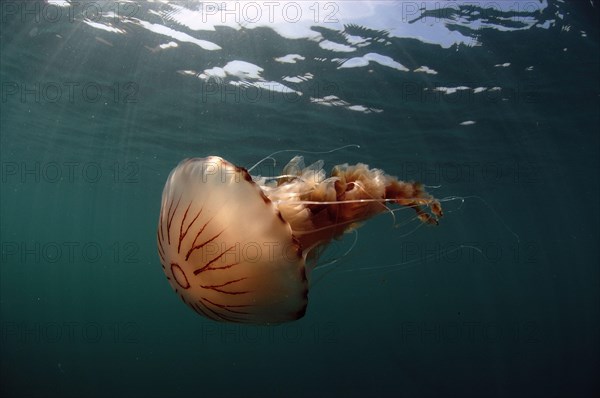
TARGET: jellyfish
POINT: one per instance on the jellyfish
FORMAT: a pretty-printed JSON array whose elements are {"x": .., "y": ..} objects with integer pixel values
[{"x": 241, "y": 249}]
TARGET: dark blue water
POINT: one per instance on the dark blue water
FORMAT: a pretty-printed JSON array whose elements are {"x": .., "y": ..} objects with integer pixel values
[{"x": 494, "y": 106}]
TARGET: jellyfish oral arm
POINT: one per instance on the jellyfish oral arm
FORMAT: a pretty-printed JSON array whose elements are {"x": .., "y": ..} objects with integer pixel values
[{"x": 320, "y": 208}]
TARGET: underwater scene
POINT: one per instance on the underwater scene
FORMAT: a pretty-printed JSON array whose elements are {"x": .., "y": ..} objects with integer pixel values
[{"x": 299, "y": 198}]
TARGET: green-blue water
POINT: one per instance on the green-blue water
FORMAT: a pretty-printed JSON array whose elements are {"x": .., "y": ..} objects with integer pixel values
[{"x": 502, "y": 299}]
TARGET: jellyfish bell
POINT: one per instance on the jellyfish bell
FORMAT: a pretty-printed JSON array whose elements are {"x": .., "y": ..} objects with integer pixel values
[{"x": 241, "y": 249}]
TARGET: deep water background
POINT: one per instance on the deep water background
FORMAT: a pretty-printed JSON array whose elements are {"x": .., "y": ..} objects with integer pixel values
[{"x": 502, "y": 299}]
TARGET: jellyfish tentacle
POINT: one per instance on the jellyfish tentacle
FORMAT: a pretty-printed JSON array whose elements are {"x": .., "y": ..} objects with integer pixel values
[{"x": 411, "y": 194}]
